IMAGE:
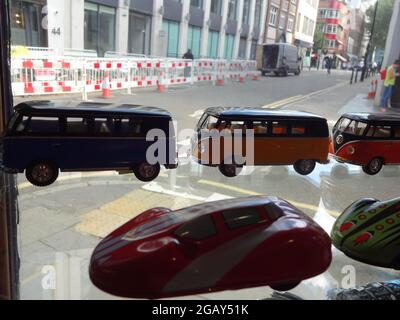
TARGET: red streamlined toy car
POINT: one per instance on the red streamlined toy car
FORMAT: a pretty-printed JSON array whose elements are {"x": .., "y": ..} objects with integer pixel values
[{"x": 224, "y": 245}]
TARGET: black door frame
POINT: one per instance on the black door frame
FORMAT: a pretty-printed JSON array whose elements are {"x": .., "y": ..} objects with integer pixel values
[{"x": 9, "y": 259}]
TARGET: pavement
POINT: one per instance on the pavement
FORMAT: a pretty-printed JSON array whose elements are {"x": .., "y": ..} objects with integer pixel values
[{"x": 60, "y": 225}]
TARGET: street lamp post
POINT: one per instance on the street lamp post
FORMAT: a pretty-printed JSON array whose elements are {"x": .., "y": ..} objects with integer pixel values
[{"x": 364, "y": 69}]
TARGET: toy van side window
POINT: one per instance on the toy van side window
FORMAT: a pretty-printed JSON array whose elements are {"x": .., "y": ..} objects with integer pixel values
[
  {"x": 279, "y": 128},
  {"x": 298, "y": 129},
  {"x": 382, "y": 132},
  {"x": 211, "y": 123},
  {"x": 356, "y": 128},
  {"x": 103, "y": 126},
  {"x": 343, "y": 124},
  {"x": 243, "y": 217},
  {"x": 77, "y": 126},
  {"x": 21, "y": 124},
  {"x": 201, "y": 121},
  {"x": 128, "y": 127},
  {"x": 260, "y": 128},
  {"x": 396, "y": 131},
  {"x": 38, "y": 126},
  {"x": 198, "y": 229}
]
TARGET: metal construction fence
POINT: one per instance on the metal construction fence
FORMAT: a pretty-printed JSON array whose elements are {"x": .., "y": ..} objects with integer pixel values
[{"x": 66, "y": 74}]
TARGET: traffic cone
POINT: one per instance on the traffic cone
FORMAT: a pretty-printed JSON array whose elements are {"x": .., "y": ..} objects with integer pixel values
[
  {"x": 372, "y": 90},
  {"x": 220, "y": 78},
  {"x": 106, "y": 86},
  {"x": 161, "y": 83}
]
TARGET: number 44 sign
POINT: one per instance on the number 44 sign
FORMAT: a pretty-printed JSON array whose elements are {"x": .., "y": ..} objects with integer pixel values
[{"x": 45, "y": 20}]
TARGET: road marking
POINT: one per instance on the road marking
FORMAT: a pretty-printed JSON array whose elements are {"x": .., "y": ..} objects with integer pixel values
[
  {"x": 254, "y": 193},
  {"x": 283, "y": 102},
  {"x": 79, "y": 175},
  {"x": 291, "y": 100}
]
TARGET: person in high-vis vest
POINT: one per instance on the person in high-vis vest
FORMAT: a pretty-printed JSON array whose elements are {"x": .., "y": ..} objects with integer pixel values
[{"x": 389, "y": 82}]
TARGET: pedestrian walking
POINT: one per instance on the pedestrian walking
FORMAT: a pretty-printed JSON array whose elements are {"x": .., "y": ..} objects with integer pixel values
[
  {"x": 328, "y": 64},
  {"x": 388, "y": 84}
]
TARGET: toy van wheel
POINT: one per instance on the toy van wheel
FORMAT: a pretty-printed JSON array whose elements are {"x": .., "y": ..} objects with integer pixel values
[
  {"x": 284, "y": 286},
  {"x": 42, "y": 173},
  {"x": 373, "y": 167},
  {"x": 146, "y": 172},
  {"x": 304, "y": 167},
  {"x": 229, "y": 170}
]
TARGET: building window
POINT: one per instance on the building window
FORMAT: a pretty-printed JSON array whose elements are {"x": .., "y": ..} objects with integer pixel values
[
  {"x": 290, "y": 24},
  {"x": 194, "y": 38},
  {"x": 331, "y": 29},
  {"x": 246, "y": 12},
  {"x": 253, "y": 51},
  {"x": 232, "y": 9},
  {"x": 242, "y": 48},
  {"x": 26, "y": 24},
  {"x": 99, "y": 28},
  {"x": 330, "y": 43},
  {"x": 213, "y": 43},
  {"x": 139, "y": 33},
  {"x": 229, "y": 40},
  {"x": 308, "y": 27},
  {"x": 216, "y": 7},
  {"x": 257, "y": 14},
  {"x": 171, "y": 28},
  {"x": 196, "y": 3},
  {"x": 311, "y": 27},
  {"x": 272, "y": 16}
]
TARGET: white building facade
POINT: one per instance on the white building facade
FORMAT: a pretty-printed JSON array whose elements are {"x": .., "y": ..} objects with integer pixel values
[
  {"x": 228, "y": 29},
  {"x": 306, "y": 22}
]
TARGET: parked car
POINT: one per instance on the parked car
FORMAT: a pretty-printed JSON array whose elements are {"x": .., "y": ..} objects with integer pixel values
[
  {"x": 366, "y": 139},
  {"x": 225, "y": 245},
  {"x": 45, "y": 137},
  {"x": 369, "y": 231},
  {"x": 281, "y": 59},
  {"x": 280, "y": 138}
]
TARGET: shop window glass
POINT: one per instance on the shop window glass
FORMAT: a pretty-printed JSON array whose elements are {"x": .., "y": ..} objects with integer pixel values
[
  {"x": 213, "y": 42},
  {"x": 194, "y": 38},
  {"x": 171, "y": 28},
  {"x": 139, "y": 33}
]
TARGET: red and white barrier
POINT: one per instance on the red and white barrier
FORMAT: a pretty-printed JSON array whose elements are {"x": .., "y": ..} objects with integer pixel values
[{"x": 62, "y": 75}]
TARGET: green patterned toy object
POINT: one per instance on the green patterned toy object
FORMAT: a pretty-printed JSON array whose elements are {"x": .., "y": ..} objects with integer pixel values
[{"x": 369, "y": 231}]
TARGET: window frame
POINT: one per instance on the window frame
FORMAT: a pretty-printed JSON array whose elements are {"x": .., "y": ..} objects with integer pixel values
[
  {"x": 273, "y": 14},
  {"x": 207, "y": 237},
  {"x": 24, "y": 133},
  {"x": 261, "y": 218}
]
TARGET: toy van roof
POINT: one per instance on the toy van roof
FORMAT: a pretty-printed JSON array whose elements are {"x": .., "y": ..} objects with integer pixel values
[
  {"x": 373, "y": 117},
  {"x": 68, "y": 108},
  {"x": 246, "y": 113}
]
